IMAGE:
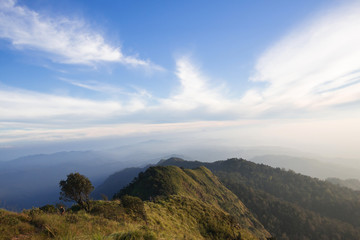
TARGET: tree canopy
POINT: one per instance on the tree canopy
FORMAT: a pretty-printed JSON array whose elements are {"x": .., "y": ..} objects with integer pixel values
[{"x": 76, "y": 188}]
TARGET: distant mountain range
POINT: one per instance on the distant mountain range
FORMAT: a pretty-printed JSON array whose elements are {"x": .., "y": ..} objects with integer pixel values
[
  {"x": 34, "y": 180},
  {"x": 353, "y": 184},
  {"x": 309, "y": 166}
]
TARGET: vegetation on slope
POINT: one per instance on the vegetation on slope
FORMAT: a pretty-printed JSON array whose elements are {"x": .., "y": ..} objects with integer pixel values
[
  {"x": 107, "y": 220},
  {"x": 289, "y": 205},
  {"x": 193, "y": 185},
  {"x": 309, "y": 193}
]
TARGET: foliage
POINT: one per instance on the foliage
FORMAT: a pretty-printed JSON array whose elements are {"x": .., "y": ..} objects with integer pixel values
[
  {"x": 49, "y": 208},
  {"x": 134, "y": 206},
  {"x": 76, "y": 188},
  {"x": 111, "y": 210},
  {"x": 157, "y": 182}
]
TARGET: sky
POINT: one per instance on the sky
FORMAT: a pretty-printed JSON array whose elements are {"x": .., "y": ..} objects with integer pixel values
[{"x": 240, "y": 73}]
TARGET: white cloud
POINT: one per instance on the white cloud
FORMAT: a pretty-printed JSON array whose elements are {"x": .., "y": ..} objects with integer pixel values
[
  {"x": 27, "y": 106},
  {"x": 194, "y": 91},
  {"x": 315, "y": 66},
  {"x": 69, "y": 41}
]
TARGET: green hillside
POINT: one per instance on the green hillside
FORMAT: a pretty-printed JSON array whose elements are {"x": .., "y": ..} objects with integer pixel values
[
  {"x": 194, "y": 185},
  {"x": 289, "y": 205}
]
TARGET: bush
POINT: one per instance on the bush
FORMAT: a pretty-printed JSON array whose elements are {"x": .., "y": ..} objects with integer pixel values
[
  {"x": 214, "y": 229},
  {"x": 108, "y": 209},
  {"x": 134, "y": 206},
  {"x": 75, "y": 208},
  {"x": 49, "y": 208},
  {"x": 9, "y": 220}
]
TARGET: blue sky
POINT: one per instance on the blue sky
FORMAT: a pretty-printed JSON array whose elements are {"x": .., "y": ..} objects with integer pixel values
[{"x": 283, "y": 73}]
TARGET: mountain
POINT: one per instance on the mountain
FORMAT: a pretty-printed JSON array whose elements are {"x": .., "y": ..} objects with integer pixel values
[
  {"x": 351, "y": 183},
  {"x": 33, "y": 180},
  {"x": 308, "y": 166},
  {"x": 194, "y": 185},
  {"x": 120, "y": 179},
  {"x": 289, "y": 205},
  {"x": 177, "y": 204}
]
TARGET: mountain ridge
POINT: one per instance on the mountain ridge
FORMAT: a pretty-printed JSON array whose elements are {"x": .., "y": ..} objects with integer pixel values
[
  {"x": 273, "y": 195},
  {"x": 198, "y": 184}
]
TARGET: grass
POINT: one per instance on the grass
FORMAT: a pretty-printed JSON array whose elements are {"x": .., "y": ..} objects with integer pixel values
[{"x": 175, "y": 217}]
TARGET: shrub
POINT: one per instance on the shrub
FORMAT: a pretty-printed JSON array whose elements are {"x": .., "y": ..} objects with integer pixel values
[
  {"x": 214, "y": 229},
  {"x": 48, "y": 208},
  {"x": 134, "y": 205},
  {"x": 107, "y": 209}
]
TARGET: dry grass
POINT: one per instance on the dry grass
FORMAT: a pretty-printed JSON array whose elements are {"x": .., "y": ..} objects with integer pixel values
[{"x": 172, "y": 218}]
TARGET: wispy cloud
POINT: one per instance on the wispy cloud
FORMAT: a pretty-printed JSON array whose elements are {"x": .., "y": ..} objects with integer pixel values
[
  {"x": 48, "y": 132},
  {"x": 26, "y": 106},
  {"x": 70, "y": 41},
  {"x": 315, "y": 66},
  {"x": 108, "y": 89},
  {"x": 95, "y": 86},
  {"x": 195, "y": 90}
]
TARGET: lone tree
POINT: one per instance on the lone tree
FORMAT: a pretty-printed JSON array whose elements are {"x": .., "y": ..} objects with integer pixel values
[{"x": 76, "y": 188}]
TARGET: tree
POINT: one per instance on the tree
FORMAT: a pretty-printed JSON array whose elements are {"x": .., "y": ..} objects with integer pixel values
[{"x": 76, "y": 188}]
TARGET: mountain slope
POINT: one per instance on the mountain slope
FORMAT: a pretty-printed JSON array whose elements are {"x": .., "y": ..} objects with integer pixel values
[
  {"x": 197, "y": 185},
  {"x": 310, "y": 193},
  {"x": 289, "y": 205}
]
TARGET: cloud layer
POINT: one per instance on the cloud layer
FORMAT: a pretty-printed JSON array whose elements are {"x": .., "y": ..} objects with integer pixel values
[
  {"x": 69, "y": 41},
  {"x": 313, "y": 69}
]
